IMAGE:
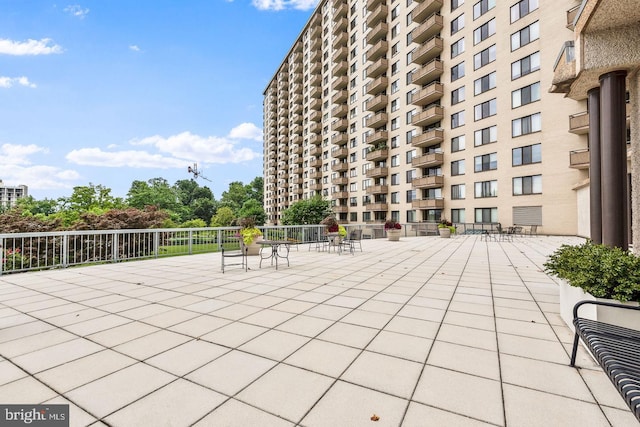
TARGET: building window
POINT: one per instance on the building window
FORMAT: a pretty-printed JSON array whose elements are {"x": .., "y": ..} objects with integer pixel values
[
  {"x": 485, "y": 57},
  {"x": 457, "y": 168},
  {"x": 410, "y": 175},
  {"x": 456, "y": 4},
  {"x": 525, "y": 66},
  {"x": 525, "y": 95},
  {"x": 484, "y": 83},
  {"x": 457, "y": 48},
  {"x": 394, "y": 123},
  {"x": 395, "y": 179},
  {"x": 457, "y": 72},
  {"x": 523, "y": 185},
  {"x": 486, "y": 189},
  {"x": 457, "y": 24},
  {"x": 485, "y": 136},
  {"x": 395, "y": 86},
  {"x": 484, "y": 31},
  {"x": 526, "y": 125},
  {"x": 457, "y": 95},
  {"x": 485, "y": 109},
  {"x": 482, "y": 7},
  {"x": 409, "y": 155},
  {"x": 395, "y": 197},
  {"x": 457, "y": 119},
  {"x": 526, "y": 155},
  {"x": 486, "y": 162},
  {"x": 486, "y": 215},
  {"x": 395, "y": 160},
  {"x": 457, "y": 192},
  {"x": 522, "y": 8},
  {"x": 394, "y": 142},
  {"x": 394, "y": 68},
  {"x": 411, "y": 195},
  {"x": 394, "y": 13},
  {"x": 457, "y": 216},
  {"x": 457, "y": 143},
  {"x": 525, "y": 36},
  {"x": 394, "y": 105},
  {"x": 409, "y": 136}
]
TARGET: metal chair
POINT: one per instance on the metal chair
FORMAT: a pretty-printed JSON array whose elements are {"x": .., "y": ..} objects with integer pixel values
[
  {"x": 355, "y": 238},
  {"x": 239, "y": 253}
]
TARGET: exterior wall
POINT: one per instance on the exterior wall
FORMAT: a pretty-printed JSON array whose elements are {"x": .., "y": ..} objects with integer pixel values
[
  {"x": 317, "y": 119},
  {"x": 583, "y": 223},
  {"x": 10, "y": 195}
]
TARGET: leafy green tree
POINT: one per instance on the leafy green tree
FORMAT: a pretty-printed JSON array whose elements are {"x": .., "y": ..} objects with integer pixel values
[
  {"x": 255, "y": 189},
  {"x": 223, "y": 218},
  {"x": 32, "y": 206},
  {"x": 253, "y": 209},
  {"x": 194, "y": 223},
  {"x": 196, "y": 202},
  {"x": 309, "y": 211},
  {"x": 90, "y": 197},
  {"x": 235, "y": 196},
  {"x": 155, "y": 192}
]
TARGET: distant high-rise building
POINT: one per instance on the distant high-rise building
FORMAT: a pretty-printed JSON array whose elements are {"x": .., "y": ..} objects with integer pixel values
[
  {"x": 10, "y": 195},
  {"x": 431, "y": 109}
]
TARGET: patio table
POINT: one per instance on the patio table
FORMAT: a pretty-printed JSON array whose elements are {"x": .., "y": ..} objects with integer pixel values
[{"x": 279, "y": 249}]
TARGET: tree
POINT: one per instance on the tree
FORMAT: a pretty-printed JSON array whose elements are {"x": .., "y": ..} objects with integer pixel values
[
  {"x": 155, "y": 192},
  {"x": 44, "y": 208},
  {"x": 253, "y": 209},
  {"x": 196, "y": 202},
  {"x": 223, "y": 217},
  {"x": 235, "y": 196},
  {"x": 255, "y": 189},
  {"x": 309, "y": 211},
  {"x": 90, "y": 197}
]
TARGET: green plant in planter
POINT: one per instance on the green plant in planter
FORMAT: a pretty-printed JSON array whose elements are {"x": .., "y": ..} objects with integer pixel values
[
  {"x": 446, "y": 224},
  {"x": 333, "y": 227},
  {"x": 249, "y": 231},
  {"x": 599, "y": 270}
]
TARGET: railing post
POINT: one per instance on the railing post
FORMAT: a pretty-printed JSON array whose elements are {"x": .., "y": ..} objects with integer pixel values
[
  {"x": 190, "y": 242},
  {"x": 116, "y": 246},
  {"x": 65, "y": 250},
  {"x": 156, "y": 244}
]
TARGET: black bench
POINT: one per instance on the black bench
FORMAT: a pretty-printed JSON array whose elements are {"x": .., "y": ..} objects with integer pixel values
[{"x": 615, "y": 348}]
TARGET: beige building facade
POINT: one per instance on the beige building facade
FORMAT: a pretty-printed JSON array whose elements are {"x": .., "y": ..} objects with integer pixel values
[
  {"x": 422, "y": 110},
  {"x": 9, "y": 195}
]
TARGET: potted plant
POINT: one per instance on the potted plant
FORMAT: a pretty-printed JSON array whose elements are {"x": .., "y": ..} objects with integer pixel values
[
  {"x": 445, "y": 228},
  {"x": 335, "y": 231},
  {"x": 596, "y": 272},
  {"x": 250, "y": 235},
  {"x": 392, "y": 228}
]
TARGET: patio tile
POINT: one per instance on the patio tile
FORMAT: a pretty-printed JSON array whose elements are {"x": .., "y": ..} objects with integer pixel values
[
  {"x": 312, "y": 296},
  {"x": 231, "y": 372},
  {"x": 323, "y": 357},
  {"x": 169, "y": 318},
  {"x": 533, "y": 348},
  {"x": 110, "y": 393},
  {"x": 123, "y": 333},
  {"x": 468, "y": 336},
  {"x": 9, "y": 372},
  {"x": 602, "y": 388},
  {"x": 422, "y": 313},
  {"x": 77, "y": 416},
  {"x": 234, "y": 413},
  {"x": 207, "y": 306},
  {"x": 199, "y": 326},
  {"x": 346, "y": 334},
  {"x": 367, "y": 318},
  {"x": 620, "y": 417},
  {"x": 23, "y": 330},
  {"x": 350, "y": 405},
  {"x": 384, "y": 373},
  {"x": 275, "y": 345},
  {"x": 236, "y": 311},
  {"x": 183, "y": 300},
  {"x": 263, "y": 301},
  {"x": 55, "y": 355},
  {"x": 14, "y": 318},
  {"x": 97, "y": 324},
  {"x": 343, "y": 301},
  {"x": 401, "y": 345},
  {"x": 381, "y": 307},
  {"x": 35, "y": 342},
  {"x": 474, "y": 361},
  {"x": 234, "y": 334},
  {"x": 526, "y": 329},
  {"x": 26, "y": 390},
  {"x": 328, "y": 312},
  {"x": 523, "y": 315},
  {"x": 305, "y": 325},
  {"x": 464, "y": 394},
  {"x": 187, "y": 357},
  {"x": 286, "y": 391},
  {"x": 293, "y": 306},
  {"x": 75, "y": 317},
  {"x": 152, "y": 344},
  {"x": 419, "y": 415},
  {"x": 84, "y": 370},
  {"x": 268, "y": 318},
  {"x": 470, "y": 320},
  {"x": 471, "y": 308},
  {"x": 525, "y": 407},
  {"x": 415, "y": 327},
  {"x": 179, "y": 403}
]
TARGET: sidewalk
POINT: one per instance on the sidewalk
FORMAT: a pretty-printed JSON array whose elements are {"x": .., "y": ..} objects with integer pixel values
[{"x": 421, "y": 332}]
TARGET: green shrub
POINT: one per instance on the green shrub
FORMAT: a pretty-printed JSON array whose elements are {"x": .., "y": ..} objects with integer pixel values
[{"x": 600, "y": 270}]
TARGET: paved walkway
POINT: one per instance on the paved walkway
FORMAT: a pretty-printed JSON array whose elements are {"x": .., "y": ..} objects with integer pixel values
[{"x": 421, "y": 332}]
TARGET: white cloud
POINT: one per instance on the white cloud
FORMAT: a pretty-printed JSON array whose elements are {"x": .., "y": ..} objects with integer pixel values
[
  {"x": 7, "y": 82},
  {"x": 117, "y": 159},
  {"x": 13, "y": 154},
  {"x": 77, "y": 11},
  {"x": 29, "y": 47},
  {"x": 134, "y": 48},
  {"x": 284, "y": 4},
  {"x": 246, "y": 131},
  {"x": 17, "y": 169}
]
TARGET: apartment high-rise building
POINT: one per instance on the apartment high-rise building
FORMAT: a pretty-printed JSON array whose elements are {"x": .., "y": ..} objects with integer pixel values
[
  {"x": 10, "y": 195},
  {"x": 422, "y": 110}
]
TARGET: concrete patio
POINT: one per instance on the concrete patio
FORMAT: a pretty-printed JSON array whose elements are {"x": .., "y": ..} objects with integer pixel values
[{"x": 421, "y": 332}]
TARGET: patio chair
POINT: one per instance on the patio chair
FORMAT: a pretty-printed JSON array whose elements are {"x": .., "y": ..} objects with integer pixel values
[
  {"x": 532, "y": 231},
  {"x": 355, "y": 238},
  {"x": 235, "y": 253}
]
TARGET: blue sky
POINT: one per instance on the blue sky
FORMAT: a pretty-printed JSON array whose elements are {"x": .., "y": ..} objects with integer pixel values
[{"x": 111, "y": 91}]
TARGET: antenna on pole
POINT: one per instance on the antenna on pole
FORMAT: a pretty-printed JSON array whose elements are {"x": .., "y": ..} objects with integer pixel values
[{"x": 196, "y": 173}]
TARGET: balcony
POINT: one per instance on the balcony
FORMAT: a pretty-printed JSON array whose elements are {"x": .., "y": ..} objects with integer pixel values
[
  {"x": 378, "y": 50},
  {"x": 340, "y": 125},
  {"x": 372, "y": 4},
  {"x": 339, "y": 153},
  {"x": 340, "y": 97},
  {"x": 341, "y": 11},
  {"x": 377, "y": 189},
  {"x": 340, "y": 111},
  {"x": 315, "y": 175},
  {"x": 340, "y": 83},
  {"x": 340, "y": 138},
  {"x": 425, "y": 9},
  {"x": 340, "y": 54},
  {"x": 379, "y": 172},
  {"x": 435, "y": 203},
  {"x": 378, "y": 85},
  {"x": 431, "y": 115},
  {"x": 376, "y": 137},
  {"x": 429, "y": 28},
  {"x": 378, "y": 32},
  {"x": 315, "y": 187},
  {"x": 296, "y": 118},
  {"x": 428, "y": 160},
  {"x": 315, "y": 151},
  {"x": 296, "y": 159},
  {"x": 340, "y": 26},
  {"x": 340, "y": 209},
  {"x": 378, "y": 206},
  {"x": 428, "y": 138},
  {"x": 315, "y": 163},
  {"x": 296, "y": 180},
  {"x": 341, "y": 180},
  {"x": 315, "y": 92},
  {"x": 340, "y": 40},
  {"x": 315, "y": 104},
  {"x": 377, "y": 120},
  {"x": 315, "y": 116},
  {"x": 314, "y": 127},
  {"x": 340, "y": 167},
  {"x": 430, "y": 181},
  {"x": 315, "y": 139},
  {"x": 428, "y": 95},
  {"x": 428, "y": 50},
  {"x": 579, "y": 159},
  {"x": 376, "y": 103},
  {"x": 340, "y": 195},
  {"x": 378, "y": 155},
  {"x": 315, "y": 67},
  {"x": 296, "y": 190},
  {"x": 377, "y": 14},
  {"x": 296, "y": 77},
  {"x": 579, "y": 123},
  {"x": 571, "y": 16},
  {"x": 378, "y": 68},
  {"x": 315, "y": 80}
]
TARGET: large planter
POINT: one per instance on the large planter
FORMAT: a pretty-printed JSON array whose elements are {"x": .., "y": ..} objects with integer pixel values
[
  {"x": 445, "y": 232},
  {"x": 570, "y": 295},
  {"x": 254, "y": 247},
  {"x": 393, "y": 234}
]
